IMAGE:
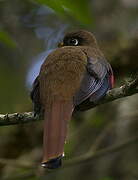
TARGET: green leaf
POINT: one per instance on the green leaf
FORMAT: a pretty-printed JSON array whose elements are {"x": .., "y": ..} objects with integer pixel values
[
  {"x": 77, "y": 9},
  {"x": 7, "y": 39}
]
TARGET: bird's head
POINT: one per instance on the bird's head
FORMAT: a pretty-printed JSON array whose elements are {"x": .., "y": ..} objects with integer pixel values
[{"x": 78, "y": 38}]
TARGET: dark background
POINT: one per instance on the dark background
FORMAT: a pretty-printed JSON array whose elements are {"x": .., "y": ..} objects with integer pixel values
[{"x": 28, "y": 31}]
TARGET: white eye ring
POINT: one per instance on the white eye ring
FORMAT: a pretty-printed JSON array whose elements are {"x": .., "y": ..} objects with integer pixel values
[
  {"x": 73, "y": 42},
  {"x": 76, "y": 42}
]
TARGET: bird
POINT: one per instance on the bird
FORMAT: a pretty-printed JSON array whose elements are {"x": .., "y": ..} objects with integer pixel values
[{"x": 73, "y": 77}]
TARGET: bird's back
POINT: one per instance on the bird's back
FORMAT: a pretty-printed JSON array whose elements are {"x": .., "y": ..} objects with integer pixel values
[{"x": 62, "y": 73}]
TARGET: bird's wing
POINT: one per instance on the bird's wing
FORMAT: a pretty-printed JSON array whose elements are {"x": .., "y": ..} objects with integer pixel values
[
  {"x": 96, "y": 81},
  {"x": 35, "y": 96}
]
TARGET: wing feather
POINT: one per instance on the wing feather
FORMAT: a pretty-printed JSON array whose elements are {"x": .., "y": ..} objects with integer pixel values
[
  {"x": 35, "y": 96},
  {"x": 97, "y": 71}
]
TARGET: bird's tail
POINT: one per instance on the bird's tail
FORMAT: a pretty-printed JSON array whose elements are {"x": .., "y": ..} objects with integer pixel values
[{"x": 55, "y": 132}]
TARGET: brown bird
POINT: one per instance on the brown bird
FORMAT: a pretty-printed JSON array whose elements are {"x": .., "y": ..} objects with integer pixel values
[{"x": 73, "y": 76}]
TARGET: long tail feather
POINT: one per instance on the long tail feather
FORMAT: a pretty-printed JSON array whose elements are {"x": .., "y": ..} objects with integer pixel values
[{"x": 55, "y": 132}]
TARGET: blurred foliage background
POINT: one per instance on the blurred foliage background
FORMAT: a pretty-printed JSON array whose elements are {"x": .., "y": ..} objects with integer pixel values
[{"x": 29, "y": 30}]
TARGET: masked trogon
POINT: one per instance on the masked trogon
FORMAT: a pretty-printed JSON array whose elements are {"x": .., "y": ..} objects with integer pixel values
[{"x": 74, "y": 73}]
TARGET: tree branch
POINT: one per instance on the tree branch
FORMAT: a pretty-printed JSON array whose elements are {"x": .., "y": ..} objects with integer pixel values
[
  {"x": 127, "y": 89},
  {"x": 17, "y": 118}
]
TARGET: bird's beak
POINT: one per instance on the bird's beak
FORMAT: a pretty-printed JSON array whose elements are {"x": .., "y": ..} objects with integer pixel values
[{"x": 61, "y": 44}]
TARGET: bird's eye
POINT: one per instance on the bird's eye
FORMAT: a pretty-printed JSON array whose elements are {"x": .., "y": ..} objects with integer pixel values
[{"x": 73, "y": 42}]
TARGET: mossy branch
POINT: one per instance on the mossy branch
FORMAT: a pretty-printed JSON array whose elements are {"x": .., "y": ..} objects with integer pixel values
[{"x": 128, "y": 89}]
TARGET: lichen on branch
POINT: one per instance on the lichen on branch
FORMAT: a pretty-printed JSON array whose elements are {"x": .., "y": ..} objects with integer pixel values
[{"x": 128, "y": 89}]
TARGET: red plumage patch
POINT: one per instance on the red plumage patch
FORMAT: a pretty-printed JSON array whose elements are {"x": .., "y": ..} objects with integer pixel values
[{"x": 112, "y": 80}]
